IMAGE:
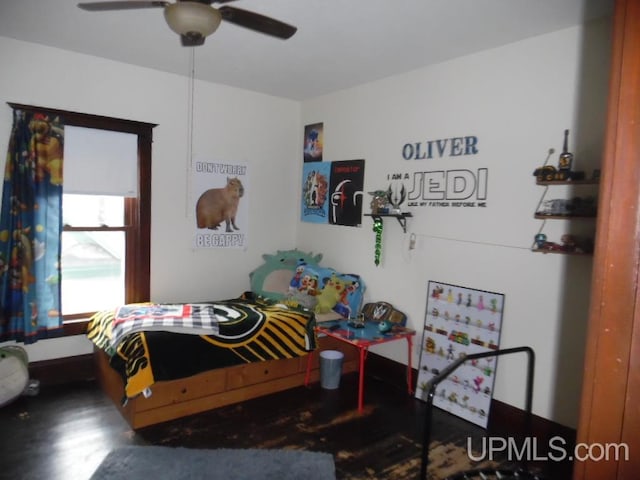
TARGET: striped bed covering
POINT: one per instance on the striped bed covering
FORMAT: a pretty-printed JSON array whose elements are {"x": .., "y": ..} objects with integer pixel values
[{"x": 150, "y": 342}]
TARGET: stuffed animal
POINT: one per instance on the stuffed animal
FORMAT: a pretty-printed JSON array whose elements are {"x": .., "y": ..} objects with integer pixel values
[
  {"x": 14, "y": 374},
  {"x": 272, "y": 278},
  {"x": 330, "y": 294}
]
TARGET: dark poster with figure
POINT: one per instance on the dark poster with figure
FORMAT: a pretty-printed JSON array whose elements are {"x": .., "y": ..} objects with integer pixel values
[{"x": 345, "y": 192}]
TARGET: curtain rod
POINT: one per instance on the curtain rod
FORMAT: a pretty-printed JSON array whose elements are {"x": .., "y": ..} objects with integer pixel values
[{"x": 69, "y": 116}]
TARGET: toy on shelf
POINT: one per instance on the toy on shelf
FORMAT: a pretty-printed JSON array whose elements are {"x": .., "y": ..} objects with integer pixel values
[
  {"x": 549, "y": 173},
  {"x": 571, "y": 244},
  {"x": 388, "y": 202},
  {"x": 574, "y": 207}
]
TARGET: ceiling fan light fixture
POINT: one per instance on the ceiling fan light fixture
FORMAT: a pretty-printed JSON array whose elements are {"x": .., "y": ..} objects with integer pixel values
[{"x": 192, "y": 19}]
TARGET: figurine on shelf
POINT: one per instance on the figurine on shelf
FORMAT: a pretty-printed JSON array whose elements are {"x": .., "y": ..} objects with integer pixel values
[
  {"x": 565, "y": 162},
  {"x": 564, "y": 172},
  {"x": 573, "y": 244},
  {"x": 540, "y": 240},
  {"x": 389, "y": 201},
  {"x": 395, "y": 199},
  {"x": 550, "y": 247},
  {"x": 566, "y": 157},
  {"x": 546, "y": 173},
  {"x": 379, "y": 202},
  {"x": 557, "y": 206},
  {"x": 569, "y": 243}
]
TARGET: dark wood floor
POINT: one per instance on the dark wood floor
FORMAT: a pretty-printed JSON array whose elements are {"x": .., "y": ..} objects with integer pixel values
[{"x": 66, "y": 431}]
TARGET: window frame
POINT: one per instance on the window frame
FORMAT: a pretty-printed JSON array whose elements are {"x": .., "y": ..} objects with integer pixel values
[{"x": 137, "y": 211}]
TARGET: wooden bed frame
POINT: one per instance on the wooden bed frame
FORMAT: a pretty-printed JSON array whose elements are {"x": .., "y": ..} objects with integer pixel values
[{"x": 215, "y": 388}]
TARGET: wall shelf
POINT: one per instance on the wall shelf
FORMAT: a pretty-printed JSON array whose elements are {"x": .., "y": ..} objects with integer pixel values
[
  {"x": 552, "y": 247},
  {"x": 401, "y": 217},
  {"x": 544, "y": 216},
  {"x": 568, "y": 182},
  {"x": 559, "y": 252}
]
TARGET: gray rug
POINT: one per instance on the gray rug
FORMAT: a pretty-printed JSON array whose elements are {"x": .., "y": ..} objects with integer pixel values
[{"x": 160, "y": 463}]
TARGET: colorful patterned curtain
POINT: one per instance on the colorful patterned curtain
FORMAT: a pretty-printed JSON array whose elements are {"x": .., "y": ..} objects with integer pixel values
[{"x": 30, "y": 229}]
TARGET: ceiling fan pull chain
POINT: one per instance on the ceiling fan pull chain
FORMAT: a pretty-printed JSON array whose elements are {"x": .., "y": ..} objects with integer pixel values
[
  {"x": 190, "y": 106},
  {"x": 192, "y": 76}
]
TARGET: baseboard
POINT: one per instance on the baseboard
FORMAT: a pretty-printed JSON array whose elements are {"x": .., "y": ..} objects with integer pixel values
[
  {"x": 503, "y": 418},
  {"x": 59, "y": 371}
]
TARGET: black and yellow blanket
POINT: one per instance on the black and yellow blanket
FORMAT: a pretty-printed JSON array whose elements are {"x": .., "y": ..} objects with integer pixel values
[{"x": 246, "y": 331}]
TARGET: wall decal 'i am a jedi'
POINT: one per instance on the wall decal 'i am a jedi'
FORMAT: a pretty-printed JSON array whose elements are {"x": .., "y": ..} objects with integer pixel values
[{"x": 442, "y": 187}]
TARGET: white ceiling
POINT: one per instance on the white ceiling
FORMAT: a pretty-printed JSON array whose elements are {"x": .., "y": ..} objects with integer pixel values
[{"x": 339, "y": 43}]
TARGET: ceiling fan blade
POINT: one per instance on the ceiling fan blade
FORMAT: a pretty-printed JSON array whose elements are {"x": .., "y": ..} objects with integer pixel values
[
  {"x": 257, "y": 22},
  {"x": 120, "y": 5}
]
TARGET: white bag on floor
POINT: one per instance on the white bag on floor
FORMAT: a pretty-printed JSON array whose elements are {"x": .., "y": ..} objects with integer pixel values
[{"x": 14, "y": 373}]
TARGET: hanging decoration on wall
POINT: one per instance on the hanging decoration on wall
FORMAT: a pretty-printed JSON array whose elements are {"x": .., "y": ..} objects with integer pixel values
[
  {"x": 459, "y": 186},
  {"x": 332, "y": 192},
  {"x": 222, "y": 214},
  {"x": 313, "y": 142},
  {"x": 460, "y": 321},
  {"x": 315, "y": 189},
  {"x": 377, "y": 228},
  {"x": 345, "y": 187}
]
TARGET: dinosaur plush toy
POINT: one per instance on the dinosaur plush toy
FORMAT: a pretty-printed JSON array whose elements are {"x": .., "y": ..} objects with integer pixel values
[{"x": 272, "y": 278}]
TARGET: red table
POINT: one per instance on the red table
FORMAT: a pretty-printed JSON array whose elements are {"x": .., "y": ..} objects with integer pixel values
[{"x": 362, "y": 339}]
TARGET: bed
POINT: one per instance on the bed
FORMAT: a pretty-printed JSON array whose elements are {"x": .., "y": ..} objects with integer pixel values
[{"x": 159, "y": 362}]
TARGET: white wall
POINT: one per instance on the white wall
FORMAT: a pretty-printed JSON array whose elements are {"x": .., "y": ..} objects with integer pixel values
[
  {"x": 230, "y": 124},
  {"x": 517, "y": 100}
]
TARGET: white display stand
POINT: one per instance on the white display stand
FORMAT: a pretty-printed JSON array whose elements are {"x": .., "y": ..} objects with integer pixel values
[{"x": 460, "y": 320}]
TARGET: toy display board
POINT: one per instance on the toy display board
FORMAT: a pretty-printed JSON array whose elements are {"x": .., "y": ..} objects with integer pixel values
[{"x": 459, "y": 321}]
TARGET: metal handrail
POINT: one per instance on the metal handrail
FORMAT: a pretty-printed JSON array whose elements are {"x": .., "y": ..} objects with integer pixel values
[{"x": 431, "y": 389}]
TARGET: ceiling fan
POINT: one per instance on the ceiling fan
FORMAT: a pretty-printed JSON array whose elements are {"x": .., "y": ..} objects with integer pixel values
[{"x": 194, "y": 20}]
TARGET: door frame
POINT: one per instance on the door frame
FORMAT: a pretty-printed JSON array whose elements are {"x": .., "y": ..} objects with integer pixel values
[{"x": 609, "y": 410}]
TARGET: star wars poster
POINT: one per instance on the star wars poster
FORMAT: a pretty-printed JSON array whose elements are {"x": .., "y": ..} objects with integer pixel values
[
  {"x": 221, "y": 206},
  {"x": 459, "y": 321},
  {"x": 313, "y": 138}
]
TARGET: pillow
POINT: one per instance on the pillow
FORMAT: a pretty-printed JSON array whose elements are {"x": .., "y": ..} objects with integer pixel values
[
  {"x": 271, "y": 279},
  {"x": 331, "y": 292},
  {"x": 351, "y": 300},
  {"x": 306, "y": 284},
  {"x": 327, "y": 290}
]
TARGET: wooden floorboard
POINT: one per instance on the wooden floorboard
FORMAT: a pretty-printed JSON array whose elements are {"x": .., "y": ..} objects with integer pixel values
[{"x": 65, "y": 431}]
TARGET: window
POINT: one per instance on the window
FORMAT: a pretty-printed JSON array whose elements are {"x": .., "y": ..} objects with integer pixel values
[
  {"x": 100, "y": 172},
  {"x": 93, "y": 253},
  {"x": 106, "y": 238}
]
